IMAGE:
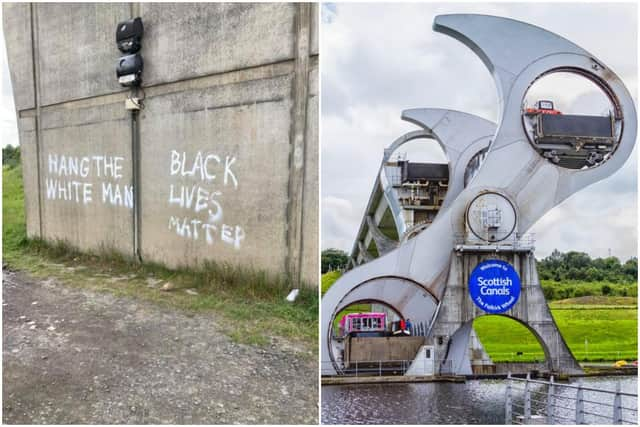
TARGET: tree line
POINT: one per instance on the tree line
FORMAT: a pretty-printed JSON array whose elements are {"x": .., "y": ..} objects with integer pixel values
[
  {"x": 11, "y": 156},
  {"x": 333, "y": 259},
  {"x": 579, "y": 266},
  {"x": 557, "y": 267}
]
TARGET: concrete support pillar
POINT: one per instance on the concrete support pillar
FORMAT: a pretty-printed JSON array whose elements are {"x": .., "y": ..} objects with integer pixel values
[
  {"x": 383, "y": 243},
  {"x": 352, "y": 263},
  {"x": 364, "y": 253},
  {"x": 531, "y": 310}
]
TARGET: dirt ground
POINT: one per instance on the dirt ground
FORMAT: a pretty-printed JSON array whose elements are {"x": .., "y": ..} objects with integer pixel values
[{"x": 75, "y": 356}]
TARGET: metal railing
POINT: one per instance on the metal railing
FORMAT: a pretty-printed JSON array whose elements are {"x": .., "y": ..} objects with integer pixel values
[
  {"x": 515, "y": 241},
  {"x": 381, "y": 367},
  {"x": 530, "y": 401},
  {"x": 372, "y": 368}
]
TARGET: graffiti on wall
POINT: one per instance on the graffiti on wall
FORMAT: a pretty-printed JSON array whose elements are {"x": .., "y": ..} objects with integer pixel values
[
  {"x": 87, "y": 179},
  {"x": 198, "y": 185},
  {"x": 199, "y": 182}
]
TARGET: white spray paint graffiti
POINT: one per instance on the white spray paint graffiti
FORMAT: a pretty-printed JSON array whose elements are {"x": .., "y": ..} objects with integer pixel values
[
  {"x": 70, "y": 179},
  {"x": 207, "y": 169},
  {"x": 200, "y": 167},
  {"x": 96, "y": 179}
]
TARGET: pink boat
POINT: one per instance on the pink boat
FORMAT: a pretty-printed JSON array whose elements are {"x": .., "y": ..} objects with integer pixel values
[{"x": 359, "y": 323}]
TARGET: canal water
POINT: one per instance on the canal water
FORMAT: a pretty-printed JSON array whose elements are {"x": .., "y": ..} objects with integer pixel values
[{"x": 473, "y": 402}]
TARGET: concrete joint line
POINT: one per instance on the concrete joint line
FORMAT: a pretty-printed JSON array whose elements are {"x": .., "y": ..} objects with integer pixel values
[
  {"x": 35, "y": 61},
  {"x": 259, "y": 72},
  {"x": 295, "y": 203}
]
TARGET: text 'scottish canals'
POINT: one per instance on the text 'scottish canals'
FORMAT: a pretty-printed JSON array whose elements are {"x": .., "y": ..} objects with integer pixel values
[
  {"x": 209, "y": 176},
  {"x": 88, "y": 179}
]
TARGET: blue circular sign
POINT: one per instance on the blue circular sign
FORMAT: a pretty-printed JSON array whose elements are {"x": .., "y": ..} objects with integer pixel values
[{"x": 494, "y": 286}]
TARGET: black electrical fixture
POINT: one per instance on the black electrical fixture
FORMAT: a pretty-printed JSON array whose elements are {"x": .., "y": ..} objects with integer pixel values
[
  {"x": 128, "y": 38},
  {"x": 129, "y": 69},
  {"x": 129, "y": 35}
]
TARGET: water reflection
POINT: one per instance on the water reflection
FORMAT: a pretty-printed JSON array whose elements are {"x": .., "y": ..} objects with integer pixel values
[{"x": 473, "y": 402}]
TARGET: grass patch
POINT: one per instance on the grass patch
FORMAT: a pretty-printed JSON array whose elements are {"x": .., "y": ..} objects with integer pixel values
[
  {"x": 14, "y": 231},
  {"x": 593, "y": 301},
  {"x": 610, "y": 332},
  {"x": 503, "y": 338},
  {"x": 329, "y": 279},
  {"x": 252, "y": 303}
]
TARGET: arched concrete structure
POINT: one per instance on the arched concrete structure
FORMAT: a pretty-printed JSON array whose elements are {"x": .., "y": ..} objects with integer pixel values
[
  {"x": 458, "y": 310},
  {"x": 457, "y": 358}
]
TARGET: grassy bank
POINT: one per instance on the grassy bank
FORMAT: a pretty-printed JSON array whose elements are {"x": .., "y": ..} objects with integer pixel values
[
  {"x": 593, "y": 333},
  {"x": 607, "y": 323},
  {"x": 13, "y": 225},
  {"x": 329, "y": 279},
  {"x": 596, "y": 328},
  {"x": 251, "y": 303}
]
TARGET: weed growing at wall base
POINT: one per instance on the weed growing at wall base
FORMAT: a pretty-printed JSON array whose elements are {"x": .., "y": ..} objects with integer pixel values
[{"x": 251, "y": 302}]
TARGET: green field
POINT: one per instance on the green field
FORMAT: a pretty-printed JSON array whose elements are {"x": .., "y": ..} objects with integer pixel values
[
  {"x": 610, "y": 333},
  {"x": 328, "y": 279},
  {"x": 607, "y": 323}
]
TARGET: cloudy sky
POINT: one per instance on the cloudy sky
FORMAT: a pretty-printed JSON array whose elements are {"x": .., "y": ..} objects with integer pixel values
[
  {"x": 8, "y": 127},
  {"x": 378, "y": 60}
]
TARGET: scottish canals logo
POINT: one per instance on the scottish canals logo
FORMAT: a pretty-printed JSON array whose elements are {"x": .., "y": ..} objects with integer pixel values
[{"x": 494, "y": 286}]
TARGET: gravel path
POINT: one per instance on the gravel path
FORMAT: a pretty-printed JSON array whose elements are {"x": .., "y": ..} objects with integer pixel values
[{"x": 76, "y": 356}]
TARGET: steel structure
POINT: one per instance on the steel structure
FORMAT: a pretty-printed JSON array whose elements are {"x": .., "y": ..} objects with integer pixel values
[
  {"x": 424, "y": 278},
  {"x": 464, "y": 136}
]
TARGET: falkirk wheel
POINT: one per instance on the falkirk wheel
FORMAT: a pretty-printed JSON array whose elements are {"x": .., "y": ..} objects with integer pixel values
[{"x": 529, "y": 164}]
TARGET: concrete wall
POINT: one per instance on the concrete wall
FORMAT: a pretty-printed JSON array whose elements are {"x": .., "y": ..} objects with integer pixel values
[
  {"x": 382, "y": 349},
  {"x": 520, "y": 367},
  {"x": 233, "y": 87}
]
